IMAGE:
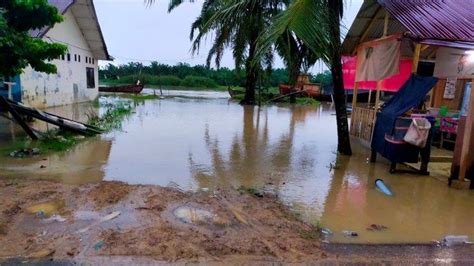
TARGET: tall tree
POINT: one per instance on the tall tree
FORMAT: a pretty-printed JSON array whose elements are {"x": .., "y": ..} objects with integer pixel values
[
  {"x": 17, "y": 48},
  {"x": 317, "y": 23},
  {"x": 335, "y": 11}
]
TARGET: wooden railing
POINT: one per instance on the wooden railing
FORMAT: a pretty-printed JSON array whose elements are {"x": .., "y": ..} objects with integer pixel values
[{"x": 362, "y": 123}]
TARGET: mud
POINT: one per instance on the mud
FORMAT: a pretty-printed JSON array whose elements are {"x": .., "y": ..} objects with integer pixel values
[{"x": 115, "y": 219}]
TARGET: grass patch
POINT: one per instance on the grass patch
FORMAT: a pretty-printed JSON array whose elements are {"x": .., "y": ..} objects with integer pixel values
[
  {"x": 168, "y": 82},
  {"x": 113, "y": 115}
]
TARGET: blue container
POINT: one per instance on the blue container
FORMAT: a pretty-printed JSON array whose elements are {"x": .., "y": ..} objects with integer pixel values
[{"x": 382, "y": 187}]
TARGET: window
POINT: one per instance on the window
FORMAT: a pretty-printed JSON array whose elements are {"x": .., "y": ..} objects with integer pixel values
[
  {"x": 75, "y": 57},
  {"x": 62, "y": 57},
  {"x": 68, "y": 57},
  {"x": 90, "y": 77},
  {"x": 79, "y": 58},
  {"x": 87, "y": 60},
  {"x": 93, "y": 60}
]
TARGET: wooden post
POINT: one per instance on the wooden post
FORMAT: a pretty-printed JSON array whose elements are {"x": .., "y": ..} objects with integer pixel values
[
  {"x": 377, "y": 95},
  {"x": 416, "y": 58},
  {"x": 18, "y": 118},
  {"x": 354, "y": 95},
  {"x": 467, "y": 156},
  {"x": 10, "y": 92},
  {"x": 385, "y": 24},
  {"x": 370, "y": 98},
  {"x": 371, "y": 24}
]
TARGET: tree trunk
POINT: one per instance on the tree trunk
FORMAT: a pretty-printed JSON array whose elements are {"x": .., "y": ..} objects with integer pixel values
[
  {"x": 251, "y": 80},
  {"x": 294, "y": 72},
  {"x": 344, "y": 144}
]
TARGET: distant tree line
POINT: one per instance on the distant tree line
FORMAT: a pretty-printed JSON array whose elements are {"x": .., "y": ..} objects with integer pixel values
[{"x": 194, "y": 76}]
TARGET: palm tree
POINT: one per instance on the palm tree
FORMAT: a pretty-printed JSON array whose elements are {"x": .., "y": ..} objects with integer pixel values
[
  {"x": 316, "y": 23},
  {"x": 237, "y": 24}
]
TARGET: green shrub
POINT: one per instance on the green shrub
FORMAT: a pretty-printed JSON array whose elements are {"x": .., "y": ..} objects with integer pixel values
[
  {"x": 169, "y": 80},
  {"x": 151, "y": 80},
  {"x": 198, "y": 82},
  {"x": 166, "y": 80}
]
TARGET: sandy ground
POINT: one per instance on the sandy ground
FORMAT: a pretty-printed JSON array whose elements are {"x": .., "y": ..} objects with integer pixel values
[
  {"x": 115, "y": 219},
  {"x": 120, "y": 224}
]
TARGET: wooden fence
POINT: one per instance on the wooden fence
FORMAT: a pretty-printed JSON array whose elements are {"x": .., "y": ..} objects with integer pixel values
[{"x": 362, "y": 123}]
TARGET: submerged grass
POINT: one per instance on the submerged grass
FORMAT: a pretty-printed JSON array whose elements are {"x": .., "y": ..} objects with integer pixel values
[{"x": 112, "y": 117}]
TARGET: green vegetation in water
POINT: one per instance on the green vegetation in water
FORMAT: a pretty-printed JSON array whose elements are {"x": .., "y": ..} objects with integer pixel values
[
  {"x": 113, "y": 116},
  {"x": 266, "y": 100},
  {"x": 137, "y": 97},
  {"x": 58, "y": 140},
  {"x": 51, "y": 141},
  {"x": 307, "y": 101}
]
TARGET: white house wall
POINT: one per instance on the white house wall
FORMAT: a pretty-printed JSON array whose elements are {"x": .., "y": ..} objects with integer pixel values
[{"x": 69, "y": 85}]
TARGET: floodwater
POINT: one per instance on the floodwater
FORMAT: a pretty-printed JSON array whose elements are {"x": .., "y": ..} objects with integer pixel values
[{"x": 200, "y": 140}]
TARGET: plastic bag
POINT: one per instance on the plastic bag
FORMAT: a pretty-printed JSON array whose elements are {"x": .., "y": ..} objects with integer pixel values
[{"x": 418, "y": 132}]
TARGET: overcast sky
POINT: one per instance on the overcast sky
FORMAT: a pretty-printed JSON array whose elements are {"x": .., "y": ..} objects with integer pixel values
[{"x": 134, "y": 32}]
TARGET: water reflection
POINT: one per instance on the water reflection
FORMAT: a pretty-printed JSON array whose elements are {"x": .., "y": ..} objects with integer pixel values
[{"x": 209, "y": 142}]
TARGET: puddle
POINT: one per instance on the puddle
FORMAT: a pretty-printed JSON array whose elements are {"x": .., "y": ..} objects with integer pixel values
[
  {"x": 201, "y": 140},
  {"x": 47, "y": 209}
]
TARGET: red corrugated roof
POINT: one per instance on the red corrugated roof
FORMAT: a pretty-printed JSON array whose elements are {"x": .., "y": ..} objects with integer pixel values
[{"x": 449, "y": 20}]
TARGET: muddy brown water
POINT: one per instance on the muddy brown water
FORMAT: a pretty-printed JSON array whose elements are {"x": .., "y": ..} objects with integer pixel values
[{"x": 201, "y": 140}]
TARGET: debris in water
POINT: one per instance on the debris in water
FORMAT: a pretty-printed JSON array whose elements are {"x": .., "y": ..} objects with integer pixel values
[
  {"x": 25, "y": 153},
  {"x": 43, "y": 166},
  {"x": 99, "y": 245},
  {"x": 350, "y": 233},
  {"x": 376, "y": 227},
  {"x": 382, "y": 187},
  {"x": 451, "y": 240},
  {"x": 41, "y": 253},
  {"x": 205, "y": 189},
  {"x": 326, "y": 231}
]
